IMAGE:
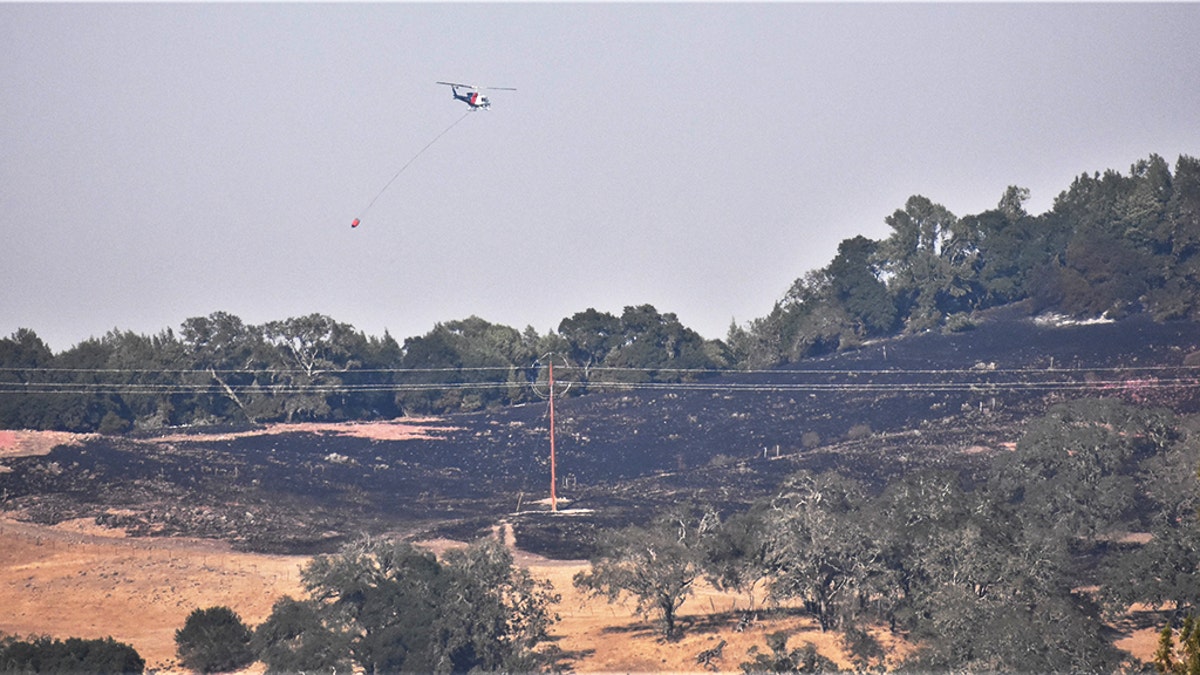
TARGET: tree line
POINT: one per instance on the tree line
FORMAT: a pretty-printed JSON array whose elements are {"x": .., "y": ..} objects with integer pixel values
[
  {"x": 218, "y": 369},
  {"x": 1112, "y": 244}
]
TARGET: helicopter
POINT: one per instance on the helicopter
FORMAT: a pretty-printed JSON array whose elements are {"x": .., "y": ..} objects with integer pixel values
[{"x": 471, "y": 96}]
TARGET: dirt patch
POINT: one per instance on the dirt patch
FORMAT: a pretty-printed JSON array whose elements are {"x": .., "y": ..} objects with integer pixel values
[
  {"x": 412, "y": 429},
  {"x": 1141, "y": 642},
  {"x": 596, "y": 637},
  {"x": 409, "y": 428},
  {"x": 77, "y": 580},
  {"x": 20, "y": 443}
]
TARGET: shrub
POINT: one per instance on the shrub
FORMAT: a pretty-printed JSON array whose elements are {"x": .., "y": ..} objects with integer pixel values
[
  {"x": 214, "y": 640},
  {"x": 112, "y": 424},
  {"x": 804, "y": 659},
  {"x": 959, "y": 323},
  {"x": 75, "y": 655},
  {"x": 859, "y": 432}
]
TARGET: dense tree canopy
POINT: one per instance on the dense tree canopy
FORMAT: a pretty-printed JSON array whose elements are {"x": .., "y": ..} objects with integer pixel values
[
  {"x": 390, "y": 607},
  {"x": 1112, "y": 244},
  {"x": 218, "y": 369}
]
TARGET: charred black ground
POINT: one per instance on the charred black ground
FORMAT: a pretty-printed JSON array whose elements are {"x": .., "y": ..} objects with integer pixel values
[{"x": 933, "y": 399}]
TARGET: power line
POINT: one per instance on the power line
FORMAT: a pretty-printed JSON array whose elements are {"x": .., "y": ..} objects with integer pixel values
[
  {"x": 934, "y": 385},
  {"x": 610, "y": 369}
]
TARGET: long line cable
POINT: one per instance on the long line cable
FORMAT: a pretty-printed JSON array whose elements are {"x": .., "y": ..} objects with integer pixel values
[
  {"x": 901, "y": 388},
  {"x": 731, "y": 372},
  {"x": 931, "y": 383},
  {"x": 407, "y": 164}
]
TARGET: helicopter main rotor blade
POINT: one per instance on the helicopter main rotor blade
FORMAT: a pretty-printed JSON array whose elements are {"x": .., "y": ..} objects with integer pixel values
[
  {"x": 501, "y": 88},
  {"x": 458, "y": 84}
]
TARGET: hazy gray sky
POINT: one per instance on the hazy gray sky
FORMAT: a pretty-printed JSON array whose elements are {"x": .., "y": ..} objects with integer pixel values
[{"x": 159, "y": 162}]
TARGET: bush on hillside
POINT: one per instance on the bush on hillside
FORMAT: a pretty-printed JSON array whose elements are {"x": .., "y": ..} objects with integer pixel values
[
  {"x": 75, "y": 655},
  {"x": 214, "y": 640}
]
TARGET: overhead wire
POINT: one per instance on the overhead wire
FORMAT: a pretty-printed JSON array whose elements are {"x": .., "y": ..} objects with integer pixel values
[
  {"x": 617, "y": 369},
  {"x": 882, "y": 381}
]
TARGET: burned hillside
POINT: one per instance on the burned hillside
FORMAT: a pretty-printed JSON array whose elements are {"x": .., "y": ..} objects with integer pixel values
[{"x": 623, "y": 451}]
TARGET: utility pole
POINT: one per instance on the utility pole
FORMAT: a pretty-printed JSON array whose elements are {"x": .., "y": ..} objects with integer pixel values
[
  {"x": 534, "y": 384},
  {"x": 553, "y": 477}
]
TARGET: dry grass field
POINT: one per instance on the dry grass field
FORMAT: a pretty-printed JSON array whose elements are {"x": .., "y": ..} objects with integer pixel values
[{"x": 75, "y": 579}]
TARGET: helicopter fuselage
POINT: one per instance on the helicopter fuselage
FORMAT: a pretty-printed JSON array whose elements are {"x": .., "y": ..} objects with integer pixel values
[
  {"x": 471, "y": 95},
  {"x": 474, "y": 99}
]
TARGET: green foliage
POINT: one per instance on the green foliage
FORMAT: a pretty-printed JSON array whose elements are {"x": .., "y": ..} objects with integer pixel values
[
  {"x": 470, "y": 351},
  {"x": 311, "y": 368},
  {"x": 307, "y": 355},
  {"x": 293, "y": 639},
  {"x": 1113, "y": 244},
  {"x": 652, "y": 340},
  {"x": 985, "y": 574},
  {"x": 214, "y": 640},
  {"x": 986, "y": 579},
  {"x": 656, "y": 566},
  {"x": 856, "y": 285},
  {"x": 383, "y": 598},
  {"x": 395, "y": 608},
  {"x": 805, "y": 659},
  {"x": 1182, "y": 657},
  {"x": 1162, "y": 572},
  {"x": 591, "y": 337},
  {"x": 23, "y": 350},
  {"x": 820, "y": 550},
  {"x": 735, "y": 552},
  {"x": 74, "y": 655},
  {"x": 113, "y": 423},
  {"x": 929, "y": 261},
  {"x": 1075, "y": 468}
]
